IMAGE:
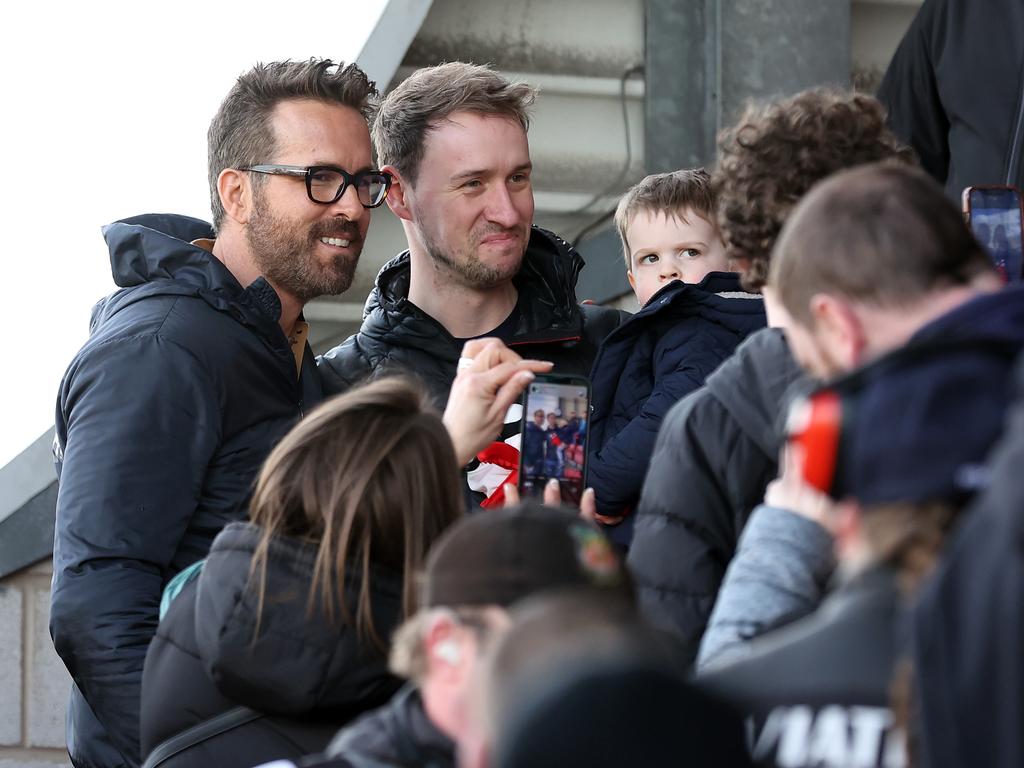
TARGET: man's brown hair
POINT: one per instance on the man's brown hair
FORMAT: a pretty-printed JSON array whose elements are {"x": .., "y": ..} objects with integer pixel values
[
  {"x": 778, "y": 151},
  {"x": 884, "y": 234},
  {"x": 371, "y": 478},
  {"x": 432, "y": 94},
  {"x": 670, "y": 194},
  {"x": 241, "y": 135}
]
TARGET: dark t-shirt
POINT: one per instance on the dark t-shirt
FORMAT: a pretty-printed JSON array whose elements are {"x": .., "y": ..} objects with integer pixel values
[{"x": 505, "y": 331}]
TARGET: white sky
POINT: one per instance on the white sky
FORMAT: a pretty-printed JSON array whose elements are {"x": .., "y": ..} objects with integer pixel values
[{"x": 105, "y": 110}]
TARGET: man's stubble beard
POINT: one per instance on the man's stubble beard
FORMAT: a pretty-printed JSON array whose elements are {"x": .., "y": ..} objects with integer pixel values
[
  {"x": 467, "y": 269},
  {"x": 286, "y": 257}
]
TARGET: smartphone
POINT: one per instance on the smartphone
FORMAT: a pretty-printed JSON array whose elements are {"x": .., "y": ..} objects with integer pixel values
[
  {"x": 553, "y": 437},
  {"x": 994, "y": 215}
]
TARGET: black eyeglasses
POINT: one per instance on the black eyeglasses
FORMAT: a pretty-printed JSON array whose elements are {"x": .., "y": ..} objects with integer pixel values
[{"x": 325, "y": 184}]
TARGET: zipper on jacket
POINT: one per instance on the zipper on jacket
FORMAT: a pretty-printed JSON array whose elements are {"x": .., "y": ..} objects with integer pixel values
[
  {"x": 1013, "y": 164},
  {"x": 543, "y": 341}
]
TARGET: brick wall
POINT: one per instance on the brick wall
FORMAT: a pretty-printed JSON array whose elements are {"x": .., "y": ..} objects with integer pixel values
[{"x": 33, "y": 682}]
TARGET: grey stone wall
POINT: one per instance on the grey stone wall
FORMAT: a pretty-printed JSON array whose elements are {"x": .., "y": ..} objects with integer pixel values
[{"x": 34, "y": 684}]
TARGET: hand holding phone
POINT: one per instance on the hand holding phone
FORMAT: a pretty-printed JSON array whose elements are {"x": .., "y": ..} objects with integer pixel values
[
  {"x": 994, "y": 215},
  {"x": 554, "y": 436}
]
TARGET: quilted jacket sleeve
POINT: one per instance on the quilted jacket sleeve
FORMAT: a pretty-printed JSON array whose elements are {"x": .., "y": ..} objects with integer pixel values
[
  {"x": 138, "y": 423},
  {"x": 779, "y": 574},
  {"x": 616, "y": 470},
  {"x": 342, "y": 367},
  {"x": 701, "y": 484}
]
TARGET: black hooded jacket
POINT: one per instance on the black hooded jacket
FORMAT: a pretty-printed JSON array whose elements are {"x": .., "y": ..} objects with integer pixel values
[
  {"x": 716, "y": 452},
  {"x": 397, "y": 336},
  {"x": 309, "y": 673},
  {"x": 955, "y": 92},
  {"x": 163, "y": 420}
]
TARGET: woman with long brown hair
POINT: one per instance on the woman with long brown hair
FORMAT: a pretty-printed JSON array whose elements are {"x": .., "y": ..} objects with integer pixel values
[{"x": 283, "y": 636}]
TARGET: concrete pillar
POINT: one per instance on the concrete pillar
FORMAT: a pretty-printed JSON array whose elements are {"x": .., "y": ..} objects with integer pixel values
[{"x": 34, "y": 684}]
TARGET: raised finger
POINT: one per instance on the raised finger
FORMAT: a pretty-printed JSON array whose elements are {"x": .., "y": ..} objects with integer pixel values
[
  {"x": 552, "y": 493},
  {"x": 509, "y": 392},
  {"x": 588, "y": 505},
  {"x": 511, "y": 495}
]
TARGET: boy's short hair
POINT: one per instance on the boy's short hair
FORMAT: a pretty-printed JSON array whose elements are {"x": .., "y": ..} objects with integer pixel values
[{"x": 667, "y": 193}]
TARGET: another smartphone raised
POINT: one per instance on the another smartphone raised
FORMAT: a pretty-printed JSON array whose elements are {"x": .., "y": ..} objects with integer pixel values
[
  {"x": 554, "y": 436},
  {"x": 994, "y": 215}
]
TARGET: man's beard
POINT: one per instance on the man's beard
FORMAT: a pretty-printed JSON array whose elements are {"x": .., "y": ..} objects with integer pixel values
[
  {"x": 286, "y": 256},
  {"x": 466, "y": 267}
]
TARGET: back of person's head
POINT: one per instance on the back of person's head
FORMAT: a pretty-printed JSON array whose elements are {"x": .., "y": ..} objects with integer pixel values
[
  {"x": 241, "y": 133},
  {"x": 776, "y": 152},
  {"x": 371, "y": 477},
  {"x": 903, "y": 444},
  {"x": 493, "y": 560},
  {"x": 579, "y": 679},
  {"x": 883, "y": 235},
  {"x": 674, "y": 195},
  {"x": 433, "y": 94}
]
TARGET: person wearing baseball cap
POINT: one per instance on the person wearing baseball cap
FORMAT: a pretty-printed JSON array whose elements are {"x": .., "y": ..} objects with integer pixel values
[{"x": 475, "y": 572}]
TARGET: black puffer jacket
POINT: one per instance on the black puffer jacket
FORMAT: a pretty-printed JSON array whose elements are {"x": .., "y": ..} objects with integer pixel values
[
  {"x": 308, "y": 673},
  {"x": 817, "y": 691},
  {"x": 955, "y": 91},
  {"x": 399, "y": 735},
  {"x": 396, "y": 336},
  {"x": 715, "y": 455},
  {"x": 163, "y": 419}
]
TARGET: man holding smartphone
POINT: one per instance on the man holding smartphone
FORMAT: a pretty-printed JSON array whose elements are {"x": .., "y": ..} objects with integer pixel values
[{"x": 454, "y": 137}]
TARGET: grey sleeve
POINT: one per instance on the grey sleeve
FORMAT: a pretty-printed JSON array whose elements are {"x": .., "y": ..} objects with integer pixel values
[{"x": 780, "y": 571}]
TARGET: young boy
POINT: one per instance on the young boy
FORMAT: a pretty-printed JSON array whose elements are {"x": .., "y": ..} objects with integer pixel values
[{"x": 693, "y": 314}]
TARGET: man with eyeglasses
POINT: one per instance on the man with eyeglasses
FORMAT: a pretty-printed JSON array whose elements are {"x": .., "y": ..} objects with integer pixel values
[
  {"x": 454, "y": 138},
  {"x": 195, "y": 369}
]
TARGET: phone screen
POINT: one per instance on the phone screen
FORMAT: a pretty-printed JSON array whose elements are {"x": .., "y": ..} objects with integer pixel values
[
  {"x": 996, "y": 223},
  {"x": 554, "y": 436}
]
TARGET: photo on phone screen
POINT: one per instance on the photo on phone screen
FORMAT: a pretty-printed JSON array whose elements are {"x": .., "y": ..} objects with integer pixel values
[
  {"x": 554, "y": 436},
  {"x": 995, "y": 219}
]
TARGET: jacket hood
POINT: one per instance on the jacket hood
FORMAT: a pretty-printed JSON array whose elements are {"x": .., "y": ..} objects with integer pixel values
[
  {"x": 299, "y": 661},
  {"x": 997, "y": 317},
  {"x": 753, "y": 384},
  {"x": 546, "y": 283},
  {"x": 928, "y": 450},
  {"x": 157, "y": 245},
  {"x": 153, "y": 255}
]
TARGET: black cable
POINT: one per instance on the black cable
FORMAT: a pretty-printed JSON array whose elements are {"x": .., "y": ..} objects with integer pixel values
[
  {"x": 595, "y": 224},
  {"x": 617, "y": 183}
]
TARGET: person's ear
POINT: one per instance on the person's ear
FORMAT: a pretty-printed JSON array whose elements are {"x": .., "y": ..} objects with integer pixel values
[
  {"x": 632, "y": 280},
  {"x": 839, "y": 326},
  {"x": 444, "y": 650},
  {"x": 235, "y": 190},
  {"x": 739, "y": 264},
  {"x": 398, "y": 194}
]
